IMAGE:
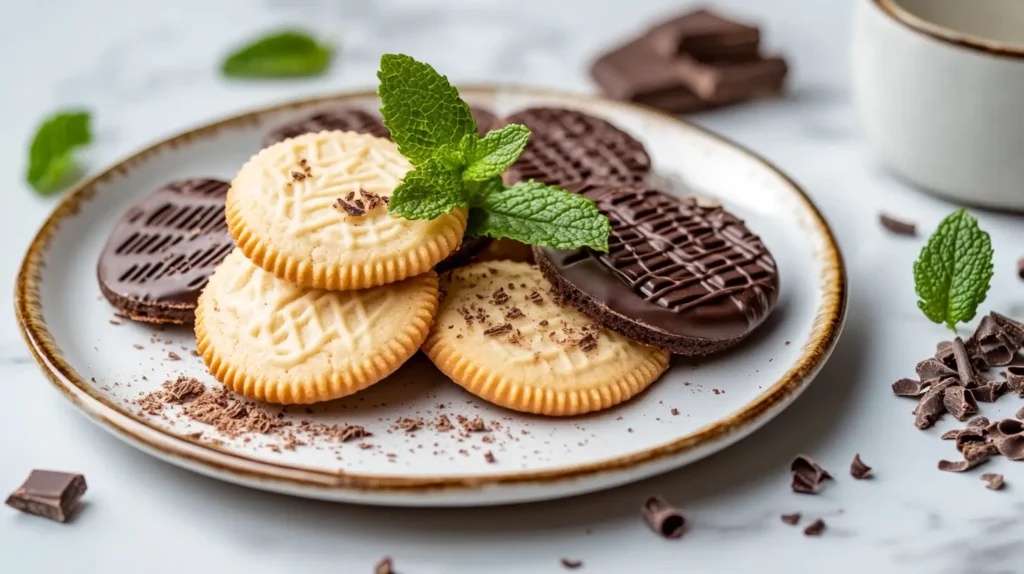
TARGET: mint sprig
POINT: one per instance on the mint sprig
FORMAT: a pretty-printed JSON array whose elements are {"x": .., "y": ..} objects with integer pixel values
[
  {"x": 285, "y": 54},
  {"x": 51, "y": 158},
  {"x": 455, "y": 167},
  {"x": 953, "y": 273}
]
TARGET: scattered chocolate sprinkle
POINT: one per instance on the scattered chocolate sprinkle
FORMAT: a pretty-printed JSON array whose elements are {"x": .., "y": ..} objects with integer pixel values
[
  {"x": 588, "y": 342},
  {"x": 385, "y": 566},
  {"x": 897, "y": 226},
  {"x": 194, "y": 353},
  {"x": 475, "y": 425},
  {"x": 115, "y": 322},
  {"x": 536, "y": 298},
  {"x": 994, "y": 480},
  {"x": 409, "y": 425},
  {"x": 182, "y": 389},
  {"x": 815, "y": 528},
  {"x": 365, "y": 445},
  {"x": 489, "y": 457},
  {"x": 497, "y": 330},
  {"x": 172, "y": 356},
  {"x": 499, "y": 297},
  {"x": 791, "y": 519},
  {"x": 514, "y": 313},
  {"x": 807, "y": 475},
  {"x": 352, "y": 207},
  {"x": 909, "y": 388},
  {"x": 298, "y": 176},
  {"x": 570, "y": 564},
  {"x": 858, "y": 469},
  {"x": 138, "y": 346},
  {"x": 49, "y": 494},
  {"x": 959, "y": 402},
  {"x": 353, "y": 432},
  {"x": 662, "y": 517},
  {"x": 675, "y": 412}
]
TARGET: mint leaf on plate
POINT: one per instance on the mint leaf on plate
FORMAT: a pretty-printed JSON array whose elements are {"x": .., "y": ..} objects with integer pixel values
[
  {"x": 494, "y": 153},
  {"x": 51, "y": 160},
  {"x": 420, "y": 108},
  {"x": 953, "y": 272},
  {"x": 429, "y": 191},
  {"x": 539, "y": 214},
  {"x": 285, "y": 54}
]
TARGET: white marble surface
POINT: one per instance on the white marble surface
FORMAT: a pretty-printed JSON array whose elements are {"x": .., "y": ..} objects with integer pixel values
[{"x": 148, "y": 69}]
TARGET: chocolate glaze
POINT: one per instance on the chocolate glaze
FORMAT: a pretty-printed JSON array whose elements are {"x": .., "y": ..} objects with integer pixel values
[
  {"x": 673, "y": 267},
  {"x": 567, "y": 147},
  {"x": 163, "y": 250}
]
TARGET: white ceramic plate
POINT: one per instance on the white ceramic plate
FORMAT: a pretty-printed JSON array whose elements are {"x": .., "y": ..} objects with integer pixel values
[{"x": 719, "y": 400}]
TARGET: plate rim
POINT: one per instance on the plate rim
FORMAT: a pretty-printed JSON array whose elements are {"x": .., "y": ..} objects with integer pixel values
[{"x": 828, "y": 321}]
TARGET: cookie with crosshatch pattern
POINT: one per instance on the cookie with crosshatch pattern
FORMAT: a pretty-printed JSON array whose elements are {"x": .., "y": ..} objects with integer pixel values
[
  {"x": 273, "y": 341},
  {"x": 502, "y": 335},
  {"x": 312, "y": 210}
]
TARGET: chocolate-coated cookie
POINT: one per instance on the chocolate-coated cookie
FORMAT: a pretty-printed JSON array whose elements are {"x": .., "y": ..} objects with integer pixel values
[
  {"x": 468, "y": 249},
  {"x": 567, "y": 147},
  {"x": 163, "y": 250},
  {"x": 680, "y": 276}
]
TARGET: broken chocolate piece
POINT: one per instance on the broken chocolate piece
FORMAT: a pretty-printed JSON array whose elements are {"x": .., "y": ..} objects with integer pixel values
[
  {"x": 634, "y": 72},
  {"x": 49, "y": 494},
  {"x": 858, "y": 469},
  {"x": 706, "y": 36},
  {"x": 663, "y": 518},
  {"x": 807, "y": 475},
  {"x": 1012, "y": 446},
  {"x": 993, "y": 344},
  {"x": 897, "y": 226},
  {"x": 1013, "y": 330},
  {"x": 1015, "y": 379},
  {"x": 964, "y": 366},
  {"x": 969, "y": 436},
  {"x": 933, "y": 369},
  {"x": 932, "y": 405},
  {"x": 571, "y": 564},
  {"x": 726, "y": 82},
  {"x": 815, "y": 528},
  {"x": 959, "y": 402},
  {"x": 988, "y": 392},
  {"x": 994, "y": 480},
  {"x": 944, "y": 353},
  {"x": 909, "y": 388},
  {"x": 978, "y": 422},
  {"x": 791, "y": 519},
  {"x": 950, "y": 434}
]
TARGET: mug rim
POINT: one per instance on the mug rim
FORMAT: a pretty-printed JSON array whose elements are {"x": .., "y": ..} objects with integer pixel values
[{"x": 895, "y": 11}]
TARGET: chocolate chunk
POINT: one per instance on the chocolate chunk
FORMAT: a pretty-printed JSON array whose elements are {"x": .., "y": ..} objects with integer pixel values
[
  {"x": 933, "y": 369},
  {"x": 663, "y": 518},
  {"x": 944, "y": 353},
  {"x": 897, "y": 226},
  {"x": 994, "y": 480},
  {"x": 727, "y": 82},
  {"x": 807, "y": 475},
  {"x": 932, "y": 405},
  {"x": 567, "y": 147},
  {"x": 815, "y": 528},
  {"x": 570, "y": 564},
  {"x": 163, "y": 250},
  {"x": 331, "y": 119},
  {"x": 978, "y": 422},
  {"x": 988, "y": 392},
  {"x": 1013, "y": 330},
  {"x": 994, "y": 346},
  {"x": 385, "y": 566},
  {"x": 689, "y": 279},
  {"x": 858, "y": 469},
  {"x": 959, "y": 402},
  {"x": 791, "y": 519},
  {"x": 909, "y": 388},
  {"x": 964, "y": 366},
  {"x": 49, "y": 494},
  {"x": 706, "y": 36},
  {"x": 635, "y": 72},
  {"x": 1015, "y": 379}
]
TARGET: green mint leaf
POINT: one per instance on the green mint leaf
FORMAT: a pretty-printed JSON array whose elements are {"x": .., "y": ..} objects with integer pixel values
[
  {"x": 493, "y": 154},
  {"x": 420, "y": 108},
  {"x": 51, "y": 163},
  {"x": 477, "y": 189},
  {"x": 427, "y": 192},
  {"x": 539, "y": 214},
  {"x": 953, "y": 272},
  {"x": 286, "y": 54}
]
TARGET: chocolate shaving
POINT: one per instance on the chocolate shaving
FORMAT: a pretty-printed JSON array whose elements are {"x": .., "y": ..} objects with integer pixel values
[
  {"x": 994, "y": 480},
  {"x": 1020, "y": 414},
  {"x": 791, "y": 519},
  {"x": 503, "y": 328},
  {"x": 588, "y": 342},
  {"x": 932, "y": 405},
  {"x": 807, "y": 475},
  {"x": 1015, "y": 379},
  {"x": 571, "y": 564},
  {"x": 858, "y": 469},
  {"x": 663, "y": 518},
  {"x": 989, "y": 392},
  {"x": 933, "y": 369},
  {"x": 978, "y": 422},
  {"x": 514, "y": 313},
  {"x": 950, "y": 434},
  {"x": 385, "y": 566},
  {"x": 994, "y": 346},
  {"x": 1004, "y": 428},
  {"x": 815, "y": 528},
  {"x": 959, "y": 402},
  {"x": 489, "y": 457},
  {"x": 968, "y": 438},
  {"x": 1013, "y": 330},
  {"x": 1012, "y": 446},
  {"x": 500, "y": 297},
  {"x": 353, "y": 432},
  {"x": 909, "y": 388},
  {"x": 973, "y": 456},
  {"x": 536, "y": 298},
  {"x": 897, "y": 226},
  {"x": 944, "y": 353},
  {"x": 968, "y": 376}
]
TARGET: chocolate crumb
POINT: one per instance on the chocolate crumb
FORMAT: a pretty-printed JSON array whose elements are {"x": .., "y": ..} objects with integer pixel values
[
  {"x": 571, "y": 564},
  {"x": 514, "y": 313},
  {"x": 138, "y": 346},
  {"x": 172, "y": 356},
  {"x": 475, "y": 425},
  {"x": 536, "y": 298},
  {"x": 994, "y": 480},
  {"x": 978, "y": 422},
  {"x": 588, "y": 342},
  {"x": 497, "y": 330},
  {"x": 675, "y": 412},
  {"x": 663, "y": 518},
  {"x": 352, "y": 432},
  {"x": 897, "y": 226},
  {"x": 194, "y": 353},
  {"x": 499, "y": 297},
  {"x": 365, "y": 445},
  {"x": 807, "y": 475},
  {"x": 489, "y": 457},
  {"x": 815, "y": 528},
  {"x": 791, "y": 519},
  {"x": 543, "y": 323},
  {"x": 385, "y": 566},
  {"x": 858, "y": 469}
]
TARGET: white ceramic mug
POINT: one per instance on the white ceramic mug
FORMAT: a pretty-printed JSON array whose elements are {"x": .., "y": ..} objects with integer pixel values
[{"x": 939, "y": 86}]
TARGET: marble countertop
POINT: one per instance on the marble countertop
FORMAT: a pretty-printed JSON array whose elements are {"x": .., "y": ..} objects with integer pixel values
[{"x": 148, "y": 70}]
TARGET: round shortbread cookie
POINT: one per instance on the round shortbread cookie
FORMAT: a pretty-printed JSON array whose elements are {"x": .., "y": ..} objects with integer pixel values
[
  {"x": 273, "y": 341},
  {"x": 502, "y": 335},
  {"x": 313, "y": 211}
]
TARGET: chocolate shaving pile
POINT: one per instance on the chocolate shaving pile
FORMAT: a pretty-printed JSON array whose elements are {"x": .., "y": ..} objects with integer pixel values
[
  {"x": 663, "y": 518},
  {"x": 807, "y": 475}
]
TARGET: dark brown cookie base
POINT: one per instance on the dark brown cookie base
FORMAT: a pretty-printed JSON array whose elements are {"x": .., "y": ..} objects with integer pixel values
[
  {"x": 154, "y": 312},
  {"x": 628, "y": 327}
]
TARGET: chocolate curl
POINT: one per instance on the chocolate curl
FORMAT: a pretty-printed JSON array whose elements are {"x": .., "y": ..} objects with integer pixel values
[
  {"x": 968, "y": 376},
  {"x": 858, "y": 469},
  {"x": 663, "y": 518},
  {"x": 1013, "y": 330},
  {"x": 959, "y": 402},
  {"x": 1015, "y": 379}
]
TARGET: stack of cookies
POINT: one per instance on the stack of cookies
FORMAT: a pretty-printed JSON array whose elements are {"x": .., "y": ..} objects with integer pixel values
[{"x": 317, "y": 292}]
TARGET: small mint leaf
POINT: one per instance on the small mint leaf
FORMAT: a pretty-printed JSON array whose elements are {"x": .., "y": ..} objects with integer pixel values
[
  {"x": 420, "y": 108},
  {"x": 50, "y": 158},
  {"x": 953, "y": 273},
  {"x": 539, "y": 214},
  {"x": 284, "y": 54},
  {"x": 493, "y": 154},
  {"x": 479, "y": 188},
  {"x": 427, "y": 192}
]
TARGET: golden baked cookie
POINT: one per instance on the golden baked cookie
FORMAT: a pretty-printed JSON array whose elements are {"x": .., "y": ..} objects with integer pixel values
[
  {"x": 313, "y": 211},
  {"x": 273, "y": 341},
  {"x": 501, "y": 334}
]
